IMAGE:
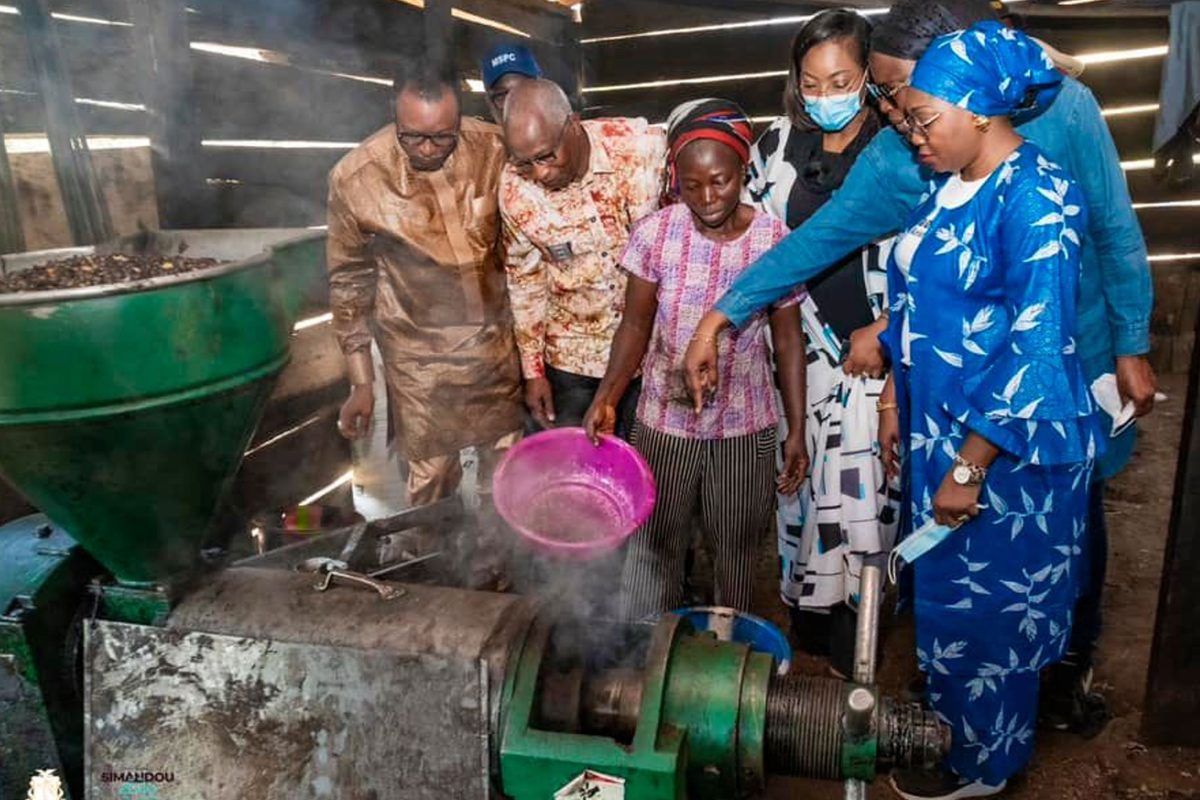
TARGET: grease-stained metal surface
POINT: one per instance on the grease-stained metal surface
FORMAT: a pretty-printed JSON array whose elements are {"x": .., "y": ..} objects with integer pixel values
[
  {"x": 281, "y": 605},
  {"x": 259, "y": 687},
  {"x": 25, "y": 733},
  {"x": 43, "y": 575},
  {"x": 244, "y": 717}
]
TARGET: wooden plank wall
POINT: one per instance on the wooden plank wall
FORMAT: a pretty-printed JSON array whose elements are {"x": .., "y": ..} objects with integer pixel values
[
  {"x": 309, "y": 97},
  {"x": 750, "y": 50},
  {"x": 125, "y": 176}
]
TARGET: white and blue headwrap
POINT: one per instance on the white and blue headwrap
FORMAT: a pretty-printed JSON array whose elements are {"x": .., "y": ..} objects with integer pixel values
[{"x": 988, "y": 69}]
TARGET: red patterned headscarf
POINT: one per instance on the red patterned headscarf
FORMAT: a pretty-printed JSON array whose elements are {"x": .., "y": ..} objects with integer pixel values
[{"x": 709, "y": 118}]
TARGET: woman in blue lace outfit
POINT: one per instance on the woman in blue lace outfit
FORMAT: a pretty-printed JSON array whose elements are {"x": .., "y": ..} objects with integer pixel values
[{"x": 996, "y": 421}]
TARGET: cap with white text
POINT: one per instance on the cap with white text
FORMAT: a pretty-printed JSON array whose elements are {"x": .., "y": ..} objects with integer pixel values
[{"x": 508, "y": 58}]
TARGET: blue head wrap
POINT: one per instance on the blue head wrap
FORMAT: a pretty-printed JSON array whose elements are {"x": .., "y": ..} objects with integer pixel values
[{"x": 988, "y": 69}]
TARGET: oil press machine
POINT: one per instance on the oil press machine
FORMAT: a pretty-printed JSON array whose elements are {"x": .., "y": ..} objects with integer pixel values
[{"x": 309, "y": 671}]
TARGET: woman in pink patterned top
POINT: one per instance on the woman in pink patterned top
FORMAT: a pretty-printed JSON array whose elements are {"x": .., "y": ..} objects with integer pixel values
[{"x": 717, "y": 461}]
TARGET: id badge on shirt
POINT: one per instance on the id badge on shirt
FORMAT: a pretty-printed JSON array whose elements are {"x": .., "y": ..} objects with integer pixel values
[{"x": 561, "y": 252}]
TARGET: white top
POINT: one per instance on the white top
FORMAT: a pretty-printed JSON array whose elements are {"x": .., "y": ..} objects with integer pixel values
[{"x": 955, "y": 193}]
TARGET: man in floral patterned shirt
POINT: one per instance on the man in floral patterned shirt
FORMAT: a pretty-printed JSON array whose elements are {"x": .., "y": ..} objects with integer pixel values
[{"x": 568, "y": 196}]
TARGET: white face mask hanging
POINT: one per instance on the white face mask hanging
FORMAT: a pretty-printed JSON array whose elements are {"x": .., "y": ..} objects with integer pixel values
[{"x": 918, "y": 543}]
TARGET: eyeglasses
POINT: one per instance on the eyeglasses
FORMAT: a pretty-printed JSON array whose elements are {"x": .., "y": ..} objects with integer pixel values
[
  {"x": 415, "y": 139},
  {"x": 498, "y": 97},
  {"x": 884, "y": 93},
  {"x": 543, "y": 159},
  {"x": 913, "y": 125}
]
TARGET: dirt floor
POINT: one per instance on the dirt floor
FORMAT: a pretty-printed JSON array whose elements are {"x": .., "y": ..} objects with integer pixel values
[{"x": 1116, "y": 764}]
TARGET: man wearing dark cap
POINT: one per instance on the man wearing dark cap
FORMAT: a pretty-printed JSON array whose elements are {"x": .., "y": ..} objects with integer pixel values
[{"x": 504, "y": 67}]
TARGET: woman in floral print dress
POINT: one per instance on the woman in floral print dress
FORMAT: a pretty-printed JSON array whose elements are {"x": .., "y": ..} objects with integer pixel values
[{"x": 997, "y": 424}]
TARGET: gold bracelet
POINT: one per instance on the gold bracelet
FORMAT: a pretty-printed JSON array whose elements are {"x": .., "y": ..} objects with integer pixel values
[
  {"x": 710, "y": 339},
  {"x": 881, "y": 407}
]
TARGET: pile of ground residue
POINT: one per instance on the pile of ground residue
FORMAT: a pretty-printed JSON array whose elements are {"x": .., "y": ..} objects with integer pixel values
[{"x": 99, "y": 270}]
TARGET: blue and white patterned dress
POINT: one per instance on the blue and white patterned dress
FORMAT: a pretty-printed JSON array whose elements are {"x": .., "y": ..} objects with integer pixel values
[
  {"x": 980, "y": 335},
  {"x": 847, "y": 510}
]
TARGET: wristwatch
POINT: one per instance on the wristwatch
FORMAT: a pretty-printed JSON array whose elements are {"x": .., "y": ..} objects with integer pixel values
[{"x": 967, "y": 474}]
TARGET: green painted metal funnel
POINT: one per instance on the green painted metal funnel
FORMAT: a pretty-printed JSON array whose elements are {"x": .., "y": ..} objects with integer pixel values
[{"x": 124, "y": 411}]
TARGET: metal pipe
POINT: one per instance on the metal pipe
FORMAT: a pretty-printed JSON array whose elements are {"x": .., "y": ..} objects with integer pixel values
[
  {"x": 855, "y": 790},
  {"x": 412, "y": 562},
  {"x": 866, "y": 638},
  {"x": 866, "y": 643}
]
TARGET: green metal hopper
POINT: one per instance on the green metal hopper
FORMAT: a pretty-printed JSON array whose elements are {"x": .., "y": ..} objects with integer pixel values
[{"x": 125, "y": 410}]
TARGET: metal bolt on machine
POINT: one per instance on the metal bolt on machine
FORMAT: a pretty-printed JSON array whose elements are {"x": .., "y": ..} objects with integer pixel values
[{"x": 311, "y": 670}]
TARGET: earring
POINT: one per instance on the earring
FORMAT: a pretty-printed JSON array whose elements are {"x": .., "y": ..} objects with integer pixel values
[{"x": 982, "y": 124}]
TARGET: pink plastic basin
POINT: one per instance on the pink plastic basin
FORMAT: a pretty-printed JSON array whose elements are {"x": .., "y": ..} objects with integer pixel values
[{"x": 570, "y": 498}]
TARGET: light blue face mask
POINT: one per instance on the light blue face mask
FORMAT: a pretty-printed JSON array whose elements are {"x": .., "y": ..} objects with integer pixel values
[
  {"x": 834, "y": 112},
  {"x": 918, "y": 543}
]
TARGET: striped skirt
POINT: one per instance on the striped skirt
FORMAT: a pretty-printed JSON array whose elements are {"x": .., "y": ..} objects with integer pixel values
[{"x": 729, "y": 484}]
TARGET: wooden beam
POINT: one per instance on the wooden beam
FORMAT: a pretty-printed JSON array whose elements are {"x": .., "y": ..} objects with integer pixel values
[
  {"x": 1173, "y": 686},
  {"x": 342, "y": 41},
  {"x": 542, "y": 22},
  {"x": 572, "y": 54},
  {"x": 758, "y": 97},
  {"x": 619, "y": 17},
  {"x": 87, "y": 213},
  {"x": 12, "y": 238},
  {"x": 239, "y": 99},
  {"x": 100, "y": 62},
  {"x": 164, "y": 62},
  {"x": 438, "y": 30}
]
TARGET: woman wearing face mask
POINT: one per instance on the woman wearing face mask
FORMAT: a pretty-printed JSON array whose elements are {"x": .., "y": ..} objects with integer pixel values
[
  {"x": 716, "y": 462},
  {"x": 999, "y": 426},
  {"x": 846, "y": 511}
]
